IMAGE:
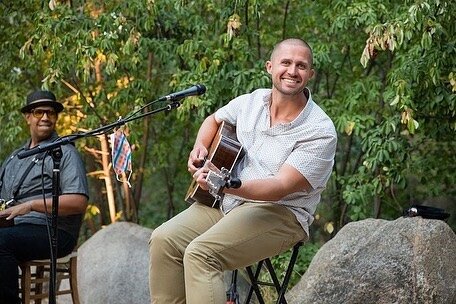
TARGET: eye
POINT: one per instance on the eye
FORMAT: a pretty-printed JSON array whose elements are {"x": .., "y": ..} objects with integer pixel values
[{"x": 39, "y": 113}]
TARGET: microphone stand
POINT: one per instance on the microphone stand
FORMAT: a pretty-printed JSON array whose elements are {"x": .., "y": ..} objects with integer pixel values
[{"x": 56, "y": 153}]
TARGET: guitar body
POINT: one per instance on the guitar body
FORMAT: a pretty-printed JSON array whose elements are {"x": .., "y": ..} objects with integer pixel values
[{"x": 224, "y": 152}]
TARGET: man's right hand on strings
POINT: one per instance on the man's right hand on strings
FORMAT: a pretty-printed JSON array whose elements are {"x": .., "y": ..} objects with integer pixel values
[{"x": 196, "y": 158}]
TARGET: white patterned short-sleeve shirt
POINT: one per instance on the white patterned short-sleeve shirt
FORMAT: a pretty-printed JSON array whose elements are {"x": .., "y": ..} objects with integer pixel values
[{"x": 308, "y": 144}]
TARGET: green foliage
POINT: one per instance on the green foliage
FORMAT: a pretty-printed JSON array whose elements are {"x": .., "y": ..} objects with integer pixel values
[
  {"x": 402, "y": 98},
  {"x": 305, "y": 256}
]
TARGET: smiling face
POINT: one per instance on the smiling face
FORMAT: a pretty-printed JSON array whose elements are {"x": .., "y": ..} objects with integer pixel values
[
  {"x": 41, "y": 121},
  {"x": 290, "y": 67}
]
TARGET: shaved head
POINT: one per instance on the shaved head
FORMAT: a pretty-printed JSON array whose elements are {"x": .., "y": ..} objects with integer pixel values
[{"x": 292, "y": 41}]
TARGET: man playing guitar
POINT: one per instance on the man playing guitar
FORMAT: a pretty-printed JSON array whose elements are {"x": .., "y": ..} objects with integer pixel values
[{"x": 289, "y": 146}]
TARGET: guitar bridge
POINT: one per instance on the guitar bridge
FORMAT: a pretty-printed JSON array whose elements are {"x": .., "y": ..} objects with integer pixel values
[{"x": 217, "y": 182}]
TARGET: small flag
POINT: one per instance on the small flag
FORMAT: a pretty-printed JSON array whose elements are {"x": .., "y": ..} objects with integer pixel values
[{"x": 121, "y": 156}]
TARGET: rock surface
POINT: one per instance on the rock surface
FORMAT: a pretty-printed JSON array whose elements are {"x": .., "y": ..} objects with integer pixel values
[
  {"x": 408, "y": 260},
  {"x": 113, "y": 265}
]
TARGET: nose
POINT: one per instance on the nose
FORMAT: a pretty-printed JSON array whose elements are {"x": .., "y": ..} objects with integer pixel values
[
  {"x": 45, "y": 114},
  {"x": 292, "y": 70}
]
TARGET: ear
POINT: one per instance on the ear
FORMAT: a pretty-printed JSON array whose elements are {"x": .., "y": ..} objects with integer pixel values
[
  {"x": 269, "y": 66},
  {"x": 312, "y": 73},
  {"x": 27, "y": 117}
]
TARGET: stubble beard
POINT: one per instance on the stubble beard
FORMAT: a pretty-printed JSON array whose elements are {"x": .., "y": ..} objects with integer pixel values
[{"x": 291, "y": 93}]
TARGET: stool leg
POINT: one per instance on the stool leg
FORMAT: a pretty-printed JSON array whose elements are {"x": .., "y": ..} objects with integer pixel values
[
  {"x": 254, "y": 283},
  {"x": 39, "y": 285},
  {"x": 74, "y": 280},
  {"x": 280, "y": 287},
  {"x": 273, "y": 275},
  {"x": 286, "y": 279},
  {"x": 25, "y": 283}
]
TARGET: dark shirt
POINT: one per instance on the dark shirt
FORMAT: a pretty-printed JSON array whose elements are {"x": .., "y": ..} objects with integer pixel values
[{"x": 72, "y": 181}]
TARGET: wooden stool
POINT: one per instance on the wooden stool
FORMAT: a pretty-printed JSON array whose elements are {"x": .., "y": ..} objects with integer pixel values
[
  {"x": 254, "y": 273},
  {"x": 35, "y": 273}
]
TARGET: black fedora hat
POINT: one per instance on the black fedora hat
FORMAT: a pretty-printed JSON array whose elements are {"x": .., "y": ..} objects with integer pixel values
[{"x": 41, "y": 98}]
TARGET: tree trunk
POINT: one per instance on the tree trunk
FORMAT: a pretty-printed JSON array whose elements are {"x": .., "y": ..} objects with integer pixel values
[{"x": 107, "y": 176}]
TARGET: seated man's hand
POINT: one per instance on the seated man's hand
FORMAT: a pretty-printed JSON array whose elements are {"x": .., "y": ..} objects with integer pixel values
[{"x": 16, "y": 210}]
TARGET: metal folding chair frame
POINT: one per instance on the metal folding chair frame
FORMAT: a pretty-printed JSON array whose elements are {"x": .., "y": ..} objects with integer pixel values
[{"x": 280, "y": 287}]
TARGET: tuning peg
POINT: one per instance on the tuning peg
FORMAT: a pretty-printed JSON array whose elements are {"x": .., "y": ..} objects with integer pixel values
[{"x": 233, "y": 183}]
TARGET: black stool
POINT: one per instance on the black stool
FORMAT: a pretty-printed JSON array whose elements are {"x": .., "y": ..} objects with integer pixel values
[{"x": 254, "y": 273}]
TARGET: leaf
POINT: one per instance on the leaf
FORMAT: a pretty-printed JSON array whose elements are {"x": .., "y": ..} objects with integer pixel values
[
  {"x": 395, "y": 100},
  {"x": 329, "y": 227},
  {"x": 349, "y": 127}
]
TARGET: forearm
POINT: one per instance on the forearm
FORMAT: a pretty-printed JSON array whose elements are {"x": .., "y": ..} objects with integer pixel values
[
  {"x": 203, "y": 141},
  {"x": 69, "y": 204},
  {"x": 269, "y": 189},
  {"x": 287, "y": 181},
  {"x": 206, "y": 132}
]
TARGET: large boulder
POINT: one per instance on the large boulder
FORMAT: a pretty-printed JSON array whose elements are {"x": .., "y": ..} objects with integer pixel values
[
  {"x": 113, "y": 265},
  {"x": 408, "y": 260}
]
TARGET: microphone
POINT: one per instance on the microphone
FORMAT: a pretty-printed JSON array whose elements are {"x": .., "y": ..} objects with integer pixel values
[
  {"x": 195, "y": 90},
  {"x": 46, "y": 146}
]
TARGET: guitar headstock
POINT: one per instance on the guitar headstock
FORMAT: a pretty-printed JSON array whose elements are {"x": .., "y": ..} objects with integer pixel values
[{"x": 216, "y": 181}]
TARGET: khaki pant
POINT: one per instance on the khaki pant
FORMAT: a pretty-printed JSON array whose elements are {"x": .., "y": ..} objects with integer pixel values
[{"x": 189, "y": 253}]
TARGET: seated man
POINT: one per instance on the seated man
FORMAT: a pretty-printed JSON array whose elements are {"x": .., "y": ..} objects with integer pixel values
[
  {"x": 24, "y": 183},
  {"x": 289, "y": 145}
]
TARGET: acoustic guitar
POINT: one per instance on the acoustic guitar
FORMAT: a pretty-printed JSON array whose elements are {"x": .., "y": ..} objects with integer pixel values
[{"x": 224, "y": 152}]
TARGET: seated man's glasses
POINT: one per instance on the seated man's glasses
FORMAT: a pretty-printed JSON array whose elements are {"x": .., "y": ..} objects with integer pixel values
[{"x": 39, "y": 113}]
